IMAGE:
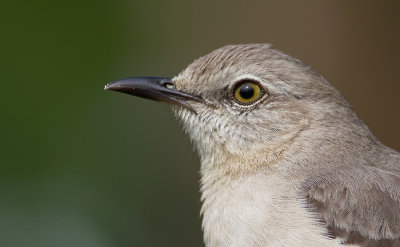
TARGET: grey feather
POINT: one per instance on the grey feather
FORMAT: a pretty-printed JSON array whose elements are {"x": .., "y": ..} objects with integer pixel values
[{"x": 360, "y": 204}]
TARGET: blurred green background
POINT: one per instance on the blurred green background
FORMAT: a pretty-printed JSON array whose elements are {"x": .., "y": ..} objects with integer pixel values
[{"x": 85, "y": 167}]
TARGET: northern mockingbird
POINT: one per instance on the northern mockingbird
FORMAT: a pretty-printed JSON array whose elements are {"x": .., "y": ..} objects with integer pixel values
[{"x": 285, "y": 161}]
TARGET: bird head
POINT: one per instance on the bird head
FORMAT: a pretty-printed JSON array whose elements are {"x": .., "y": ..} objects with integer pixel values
[{"x": 243, "y": 101}]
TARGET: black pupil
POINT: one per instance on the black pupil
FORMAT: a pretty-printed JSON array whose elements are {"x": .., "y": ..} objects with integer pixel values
[{"x": 246, "y": 91}]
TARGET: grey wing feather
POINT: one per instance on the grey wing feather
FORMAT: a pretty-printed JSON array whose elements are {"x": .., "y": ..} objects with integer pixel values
[{"x": 359, "y": 204}]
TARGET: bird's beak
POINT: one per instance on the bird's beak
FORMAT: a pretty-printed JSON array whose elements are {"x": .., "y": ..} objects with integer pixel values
[{"x": 155, "y": 88}]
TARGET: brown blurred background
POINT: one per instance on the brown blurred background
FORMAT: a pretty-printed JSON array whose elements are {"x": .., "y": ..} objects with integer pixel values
[{"x": 85, "y": 167}]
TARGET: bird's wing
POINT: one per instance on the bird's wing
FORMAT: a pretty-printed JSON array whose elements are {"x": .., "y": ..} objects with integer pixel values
[{"x": 359, "y": 204}]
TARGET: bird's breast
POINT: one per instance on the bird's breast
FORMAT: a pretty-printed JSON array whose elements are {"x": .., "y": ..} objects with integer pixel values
[{"x": 258, "y": 210}]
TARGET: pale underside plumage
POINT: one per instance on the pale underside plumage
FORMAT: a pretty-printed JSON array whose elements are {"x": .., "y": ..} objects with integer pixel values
[{"x": 298, "y": 169}]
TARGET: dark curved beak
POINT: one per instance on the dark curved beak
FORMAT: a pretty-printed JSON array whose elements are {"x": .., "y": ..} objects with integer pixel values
[{"x": 154, "y": 88}]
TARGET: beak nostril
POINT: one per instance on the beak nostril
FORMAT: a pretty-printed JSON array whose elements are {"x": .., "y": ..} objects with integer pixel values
[{"x": 169, "y": 84}]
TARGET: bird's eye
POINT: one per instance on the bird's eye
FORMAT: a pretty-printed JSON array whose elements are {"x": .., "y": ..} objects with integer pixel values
[{"x": 247, "y": 92}]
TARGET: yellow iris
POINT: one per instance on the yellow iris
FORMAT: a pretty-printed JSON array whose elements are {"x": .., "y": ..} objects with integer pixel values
[{"x": 248, "y": 92}]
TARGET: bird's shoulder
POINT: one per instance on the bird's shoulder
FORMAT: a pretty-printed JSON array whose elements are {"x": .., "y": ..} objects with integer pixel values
[{"x": 359, "y": 204}]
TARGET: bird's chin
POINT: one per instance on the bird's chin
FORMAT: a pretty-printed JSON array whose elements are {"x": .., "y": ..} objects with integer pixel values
[
  {"x": 183, "y": 113},
  {"x": 183, "y": 109}
]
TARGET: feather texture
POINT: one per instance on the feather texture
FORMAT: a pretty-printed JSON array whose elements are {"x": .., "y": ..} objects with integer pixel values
[{"x": 360, "y": 204}]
